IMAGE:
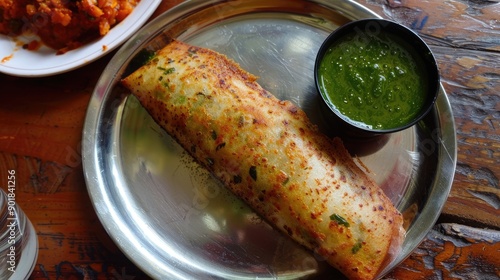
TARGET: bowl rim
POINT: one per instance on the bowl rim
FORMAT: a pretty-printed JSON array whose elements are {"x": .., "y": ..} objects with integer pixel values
[{"x": 430, "y": 63}]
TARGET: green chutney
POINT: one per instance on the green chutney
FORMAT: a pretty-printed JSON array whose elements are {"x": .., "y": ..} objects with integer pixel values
[{"x": 373, "y": 81}]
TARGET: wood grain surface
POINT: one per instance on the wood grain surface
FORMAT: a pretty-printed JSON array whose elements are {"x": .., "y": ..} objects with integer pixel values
[{"x": 41, "y": 121}]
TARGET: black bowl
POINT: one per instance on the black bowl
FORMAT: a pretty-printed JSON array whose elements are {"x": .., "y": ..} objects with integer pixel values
[{"x": 410, "y": 43}]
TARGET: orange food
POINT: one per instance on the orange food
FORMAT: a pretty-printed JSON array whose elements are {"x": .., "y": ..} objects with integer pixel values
[{"x": 62, "y": 24}]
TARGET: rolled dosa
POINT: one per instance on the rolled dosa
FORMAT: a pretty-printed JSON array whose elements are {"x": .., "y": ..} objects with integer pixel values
[{"x": 269, "y": 154}]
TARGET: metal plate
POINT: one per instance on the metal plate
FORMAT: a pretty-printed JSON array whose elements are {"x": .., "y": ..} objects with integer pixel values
[{"x": 172, "y": 218}]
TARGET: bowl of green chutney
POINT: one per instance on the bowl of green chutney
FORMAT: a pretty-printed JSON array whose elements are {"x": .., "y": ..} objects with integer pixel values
[{"x": 375, "y": 76}]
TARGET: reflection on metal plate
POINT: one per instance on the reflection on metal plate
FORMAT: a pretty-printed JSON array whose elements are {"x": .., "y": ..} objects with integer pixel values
[{"x": 172, "y": 218}]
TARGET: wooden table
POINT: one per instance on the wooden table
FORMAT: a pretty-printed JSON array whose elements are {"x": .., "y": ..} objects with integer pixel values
[{"x": 41, "y": 122}]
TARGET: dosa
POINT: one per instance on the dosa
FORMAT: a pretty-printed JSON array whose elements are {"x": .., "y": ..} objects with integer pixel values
[{"x": 269, "y": 154}]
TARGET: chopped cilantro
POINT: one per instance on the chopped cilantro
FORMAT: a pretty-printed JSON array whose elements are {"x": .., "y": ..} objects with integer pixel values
[
  {"x": 356, "y": 247},
  {"x": 169, "y": 71},
  {"x": 166, "y": 71},
  {"x": 141, "y": 58},
  {"x": 339, "y": 219}
]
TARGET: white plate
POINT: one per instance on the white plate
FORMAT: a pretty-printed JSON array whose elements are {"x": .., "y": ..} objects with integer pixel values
[{"x": 16, "y": 61}]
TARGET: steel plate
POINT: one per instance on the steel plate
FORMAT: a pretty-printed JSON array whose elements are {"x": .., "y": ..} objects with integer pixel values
[{"x": 172, "y": 218}]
